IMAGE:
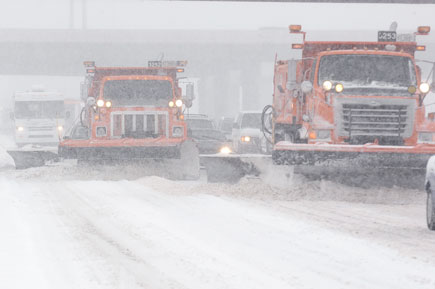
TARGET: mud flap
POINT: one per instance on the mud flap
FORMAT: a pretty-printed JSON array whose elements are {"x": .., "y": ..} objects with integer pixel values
[
  {"x": 231, "y": 168},
  {"x": 28, "y": 159}
]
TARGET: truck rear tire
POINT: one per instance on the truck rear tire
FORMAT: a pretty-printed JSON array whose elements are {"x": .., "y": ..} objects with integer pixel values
[{"x": 430, "y": 210}]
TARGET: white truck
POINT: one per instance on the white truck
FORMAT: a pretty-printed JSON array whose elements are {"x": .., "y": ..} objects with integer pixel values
[{"x": 41, "y": 119}]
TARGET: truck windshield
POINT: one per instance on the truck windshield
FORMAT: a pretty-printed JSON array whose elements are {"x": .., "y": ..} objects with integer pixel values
[
  {"x": 138, "y": 92},
  {"x": 369, "y": 74},
  {"x": 39, "y": 109},
  {"x": 251, "y": 120}
]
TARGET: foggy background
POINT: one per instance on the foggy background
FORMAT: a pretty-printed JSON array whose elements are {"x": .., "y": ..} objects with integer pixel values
[{"x": 230, "y": 46}]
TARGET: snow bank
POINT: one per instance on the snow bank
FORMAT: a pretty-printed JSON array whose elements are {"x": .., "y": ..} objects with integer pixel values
[{"x": 6, "y": 160}]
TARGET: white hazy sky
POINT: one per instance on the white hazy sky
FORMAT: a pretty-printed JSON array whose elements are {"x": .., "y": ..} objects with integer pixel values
[{"x": 139, "y": 14}]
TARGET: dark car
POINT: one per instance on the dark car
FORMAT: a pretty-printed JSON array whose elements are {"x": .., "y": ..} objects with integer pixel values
[
  {"x": 225, "y": 125},
  {"x": 430, "y": 189},
  {"x": 202, "y": 130}
]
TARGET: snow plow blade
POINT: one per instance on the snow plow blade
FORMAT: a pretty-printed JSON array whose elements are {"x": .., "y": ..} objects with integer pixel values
[
  {"x": 29, "y": 158},
  {"x": 180, "y": 161},
  {"x": 364, "y": 165},
  {"x": 231, "y": 168}
]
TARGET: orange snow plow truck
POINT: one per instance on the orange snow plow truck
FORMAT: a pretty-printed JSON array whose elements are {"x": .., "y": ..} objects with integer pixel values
[
  {"x": 133, "y": 113},
  {"x": 351, "y": 105}
]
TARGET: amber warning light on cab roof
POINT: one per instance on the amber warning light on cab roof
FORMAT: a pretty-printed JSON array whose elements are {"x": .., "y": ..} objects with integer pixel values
[{"x": 423, "y": 30}]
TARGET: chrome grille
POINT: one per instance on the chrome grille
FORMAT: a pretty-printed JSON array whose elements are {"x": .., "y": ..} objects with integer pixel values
[
  {"x": 370, "y": 118},
  {"x": 139, "y": 124},
  {"x": 366, "y": 120}
]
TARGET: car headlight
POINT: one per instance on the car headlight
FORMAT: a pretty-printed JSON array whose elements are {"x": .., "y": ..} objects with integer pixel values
[
  {"x": 179, "y": 103},
  {"x": 425, "y": 137},
  {"x": 20, "y": 128},
  {"x": 246, "y": 138},
  {"x": 60, "y": 128},
  {"x": 177, "y": 131},
  {"x": 225, "y": 150}
]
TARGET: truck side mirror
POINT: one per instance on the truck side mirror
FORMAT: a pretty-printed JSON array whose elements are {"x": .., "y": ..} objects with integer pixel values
[
  {"x": 291, "y": 74},
  {"x": 190, "y": 95},
  {"x": 306, "y": 86},
  {"x": 190, "y": 91}
]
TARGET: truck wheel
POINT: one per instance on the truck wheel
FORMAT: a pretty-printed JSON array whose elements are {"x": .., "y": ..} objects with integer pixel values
[{"x": 430, "y": 210}]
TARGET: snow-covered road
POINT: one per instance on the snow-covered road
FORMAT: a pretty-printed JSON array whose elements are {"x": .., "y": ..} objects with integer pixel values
[{"x": 67, "y": 227}]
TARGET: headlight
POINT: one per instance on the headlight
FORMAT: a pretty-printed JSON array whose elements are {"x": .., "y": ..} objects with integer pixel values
[
  {"x": 327, "y": 85},
  {"x": 323, "y": 134},
  {"x": 171, "y": 104},
  {"x": 100, "y": 103},
  {"x": 339, "y": 87},
  {"x": 177, "y": 131},
  {"x": 101, "y": 131},
  {"x": 20, "y": 128},
  {"x": 425, "y": 137},
  {"x": 60, "y": 128},
  {"x": 225, "y": 150},
  {"x": 424, "y": 87},
  {"x": 108, "y": 104},
  {"x": 246, "y": 138},
  {"x": 178, "y": 102}
]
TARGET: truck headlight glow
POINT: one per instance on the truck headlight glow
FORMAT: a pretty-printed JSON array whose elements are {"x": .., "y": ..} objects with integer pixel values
[
  {"x": 339, "y": 87},
  {"x": 100, "y": 103},
  {"x": 179, "y": 103},
  {"x": 424, "y": 87},
  {"x": 60, "y": 128},
  {"x": 327, "y": 85},
  {"x": 246, "y": 138},
  {"x": 171, "y": 104},
  {"x": 108, "y": 104},
  {"x": 20, "y": 128}
]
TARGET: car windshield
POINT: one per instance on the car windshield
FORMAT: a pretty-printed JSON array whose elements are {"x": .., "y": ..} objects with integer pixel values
[
  {"x": 196, "y": 124},
  {"x": 251, "y": 120},
  {"x": 39, "y": 109},
  {"x": 138, "y": 92},
  {"x": 367, "y": 73}
]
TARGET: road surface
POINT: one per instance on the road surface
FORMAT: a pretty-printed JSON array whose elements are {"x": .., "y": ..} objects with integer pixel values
[{"x": 65, "y": 226}]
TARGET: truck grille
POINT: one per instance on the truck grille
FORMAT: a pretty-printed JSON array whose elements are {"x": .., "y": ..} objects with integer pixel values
[
  {"x": 139, "y": 124},
  {"x": 366, "y": 120}
]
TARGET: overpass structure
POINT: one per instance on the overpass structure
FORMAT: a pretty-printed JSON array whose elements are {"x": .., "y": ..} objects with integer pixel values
[{"x": 234, "y": 67}]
